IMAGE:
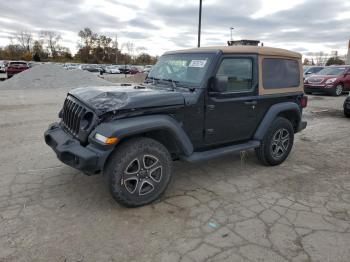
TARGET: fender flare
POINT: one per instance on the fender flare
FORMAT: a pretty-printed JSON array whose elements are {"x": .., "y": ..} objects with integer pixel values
[
  {"x": 271, "y": 115},
  {"x": 127, "y": 127}
]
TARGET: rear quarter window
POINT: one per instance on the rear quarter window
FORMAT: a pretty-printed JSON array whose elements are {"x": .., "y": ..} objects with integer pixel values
[{"x": 280, "y": 73}]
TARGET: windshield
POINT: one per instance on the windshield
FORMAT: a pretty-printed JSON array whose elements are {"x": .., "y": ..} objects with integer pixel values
[
  {"x": 332, "y": 71},
  {"x": 187, "y": 68},
  {"x": 306, "y": 68}
]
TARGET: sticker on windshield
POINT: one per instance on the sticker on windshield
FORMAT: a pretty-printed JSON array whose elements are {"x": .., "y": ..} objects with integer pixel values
[{"x": 198, "y": 63}]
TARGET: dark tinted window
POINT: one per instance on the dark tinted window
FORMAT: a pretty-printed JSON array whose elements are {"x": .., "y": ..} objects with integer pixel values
[
  {"x": 239, "y": 72},
  {"x": 280, "y": 73}
]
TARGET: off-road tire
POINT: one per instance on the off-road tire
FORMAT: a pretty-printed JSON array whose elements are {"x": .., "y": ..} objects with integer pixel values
[
  {"x": 335, "y": 91},
  {"x": 346, "y": 113},
  {"x": 265, "y": 152},
  {"x": 125, "y": 182}
]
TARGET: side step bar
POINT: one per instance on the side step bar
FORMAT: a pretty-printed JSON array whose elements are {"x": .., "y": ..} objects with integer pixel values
[{"x": 199, "y": 156}]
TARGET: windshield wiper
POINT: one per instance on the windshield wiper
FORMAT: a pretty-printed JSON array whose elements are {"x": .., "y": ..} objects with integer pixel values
[
  {"x": 154, "y": 79},
  {"x": 173, "y": 82}
]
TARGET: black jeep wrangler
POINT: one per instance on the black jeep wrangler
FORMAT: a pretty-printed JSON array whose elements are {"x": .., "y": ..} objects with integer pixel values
[{"x": 194, "y": 105}]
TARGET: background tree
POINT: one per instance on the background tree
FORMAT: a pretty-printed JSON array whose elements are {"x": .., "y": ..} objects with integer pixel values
[
  {"x": 51, "y": 39},
  {"x": 321, "y": 58},
  {"x": 25, "y": 40},
  {"x": 334, "y": 61},
  {"x": 39, "y": 54},
  {"x": 87, "y": 42},
  {"x": 13, "y": 52},
  {"x": 144, "y": 59},
  {"x": 130, "y": 48}
]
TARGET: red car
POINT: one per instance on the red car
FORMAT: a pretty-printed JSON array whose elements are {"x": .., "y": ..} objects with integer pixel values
[
  {"x": 134, "y": 70},
  {"x": 333, "y": 80},
  {"x": 15, "y": 67}
]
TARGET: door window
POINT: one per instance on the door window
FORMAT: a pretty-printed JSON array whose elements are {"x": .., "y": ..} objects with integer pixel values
[{"x": 239, "y": 72}]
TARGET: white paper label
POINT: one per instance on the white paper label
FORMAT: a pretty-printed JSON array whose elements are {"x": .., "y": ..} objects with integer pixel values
[{"x": 198, "y": 63}]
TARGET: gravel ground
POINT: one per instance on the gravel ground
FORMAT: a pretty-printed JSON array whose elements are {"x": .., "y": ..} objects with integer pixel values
[
  {"x": 227, "y": 209},
  {"x": 50, "y": 76}
]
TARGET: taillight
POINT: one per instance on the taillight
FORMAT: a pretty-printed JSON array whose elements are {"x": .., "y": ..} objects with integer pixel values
[{"x": 303, "y": 101}]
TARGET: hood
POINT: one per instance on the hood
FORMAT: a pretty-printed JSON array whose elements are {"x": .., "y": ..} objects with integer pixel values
[{"x": 105, "y": 99}]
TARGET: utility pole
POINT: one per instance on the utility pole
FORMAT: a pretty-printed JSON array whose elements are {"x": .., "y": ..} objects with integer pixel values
[
  {"x": 116, "y": 49},
  {"x": 200, "y": 23},
  {"x": 231, "y": 28},
  {"x": 348, "y": 56}
]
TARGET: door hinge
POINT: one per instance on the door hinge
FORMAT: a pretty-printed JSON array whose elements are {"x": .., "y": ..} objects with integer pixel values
[
  {"x": 209, "y": 131},
  {"x": 210, "y": 107}
]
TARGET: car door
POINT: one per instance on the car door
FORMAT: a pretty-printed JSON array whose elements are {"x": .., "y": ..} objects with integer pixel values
[{"x": 231, "y": 114}]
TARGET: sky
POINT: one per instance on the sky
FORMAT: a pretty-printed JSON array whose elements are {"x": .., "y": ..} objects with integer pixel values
[{"x": 304, "y": 26}]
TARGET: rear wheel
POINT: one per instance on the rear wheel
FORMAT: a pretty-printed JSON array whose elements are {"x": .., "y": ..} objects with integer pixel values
[
  {"x": 277, "y": 142},
  {"x": 139, "y": 172}
]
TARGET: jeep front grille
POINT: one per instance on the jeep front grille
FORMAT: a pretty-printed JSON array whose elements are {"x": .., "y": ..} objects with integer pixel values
[{"x": 72, "y": 114}]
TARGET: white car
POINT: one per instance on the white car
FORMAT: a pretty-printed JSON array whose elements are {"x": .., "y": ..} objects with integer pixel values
[
  {"x": 71, "y": 66},
  {"x": 112, "y": 70},
  {"x": 3, "y": 74}
]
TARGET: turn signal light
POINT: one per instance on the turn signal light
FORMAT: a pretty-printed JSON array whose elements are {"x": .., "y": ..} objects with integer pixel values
[
  {"x": 111, "y": 140},
  {"x": 106, "y": 140}
]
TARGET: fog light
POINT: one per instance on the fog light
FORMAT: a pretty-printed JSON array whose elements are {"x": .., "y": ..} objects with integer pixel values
[{"x": 106, "y": 140}]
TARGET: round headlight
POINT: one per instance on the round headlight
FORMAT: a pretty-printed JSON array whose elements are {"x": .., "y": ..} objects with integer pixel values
[{"x": 86, "y": 121}]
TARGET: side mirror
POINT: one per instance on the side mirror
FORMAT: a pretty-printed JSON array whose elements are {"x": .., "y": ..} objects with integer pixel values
[{"x": 219, "y": 85}]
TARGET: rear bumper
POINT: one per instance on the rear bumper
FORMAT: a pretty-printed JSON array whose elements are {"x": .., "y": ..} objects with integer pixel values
[
  {"x": 302, "y": 126},
  {"x": 90, "y": 158}
]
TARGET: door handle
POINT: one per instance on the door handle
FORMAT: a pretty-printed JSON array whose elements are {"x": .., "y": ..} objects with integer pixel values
[{"x": 251, "y": 103}]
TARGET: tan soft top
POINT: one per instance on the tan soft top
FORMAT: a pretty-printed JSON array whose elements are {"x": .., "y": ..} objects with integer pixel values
[{"x": 261, "y": 50}]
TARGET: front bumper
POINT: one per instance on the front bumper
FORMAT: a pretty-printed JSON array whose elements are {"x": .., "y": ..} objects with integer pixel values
[
  {"x": 347, "y": 105},
  {"x": 90, "y": 158},
  {"x": 318, "y": 88}
]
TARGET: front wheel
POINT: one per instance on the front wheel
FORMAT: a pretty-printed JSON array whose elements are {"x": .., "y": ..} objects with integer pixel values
[
  {"x": 338, "y": 90},
  {"x": 277, "y": 142},
  {"x": 346, "y": 113},
  {"x": 138, "y": 172}
]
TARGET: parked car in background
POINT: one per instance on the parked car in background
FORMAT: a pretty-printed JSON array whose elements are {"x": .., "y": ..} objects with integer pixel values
[
  {"x": 32, "y": 64},
  {"x": 92, "y": 68},
  {"x": 15, "y": 67},
  {"x": 113, "y": 69},
  {"x": 71, "y": 66},
  {"x": 124, "y": 69},
  {"x": 310, "y": 70},
  {"x": 134, "y": 70},
  {"x": 146, "y": 69},
  {"x": 3, "y": 74},
  {"x": 332, "y": 80},
  {"x": 347, "y": 106}
]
